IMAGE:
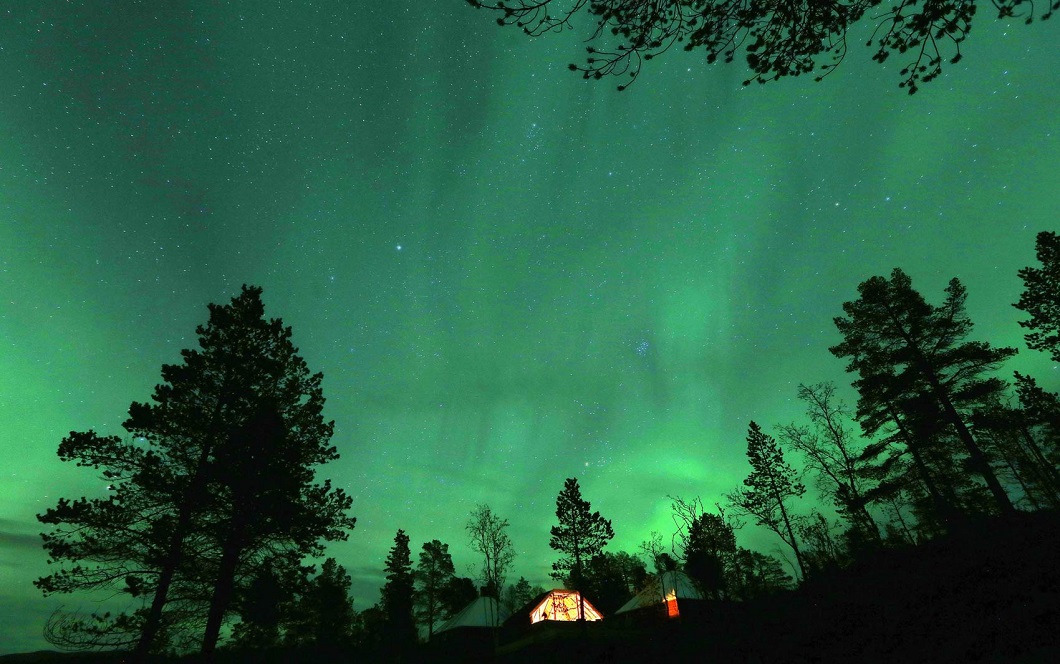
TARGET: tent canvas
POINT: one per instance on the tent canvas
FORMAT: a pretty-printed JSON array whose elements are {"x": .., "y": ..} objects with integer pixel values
[
  {"x": 562, "y": 606},
  {"x": 483, "y": 612},
  {"x": 666, "y": 588}
]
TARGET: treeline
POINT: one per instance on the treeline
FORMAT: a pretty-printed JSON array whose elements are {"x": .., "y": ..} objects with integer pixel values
[
  {"x": 936, "y": 439},
  {"x": 214, "y": 511}
]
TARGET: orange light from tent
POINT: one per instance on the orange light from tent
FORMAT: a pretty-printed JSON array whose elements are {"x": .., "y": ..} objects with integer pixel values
[
  {"x": 562, "y": 606},
  {"x": 671, "y": 606}
]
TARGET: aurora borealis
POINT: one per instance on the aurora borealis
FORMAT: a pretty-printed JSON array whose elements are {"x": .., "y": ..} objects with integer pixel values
[{"x": 507, "y": 275}]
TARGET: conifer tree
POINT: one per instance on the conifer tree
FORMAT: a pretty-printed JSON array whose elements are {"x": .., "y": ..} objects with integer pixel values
[
  {"x": 518, "y": 594},
  {"x": 771, "y": 484},
  {"x": 434, "y": 573},
  {"x": 580, "y": 535},
  {"x": 710, "y": 548},
  {"x": 397, "y": 593},
  {"x": 323, "y": 614},
  {"x": 916, "y": 369},
  {"x": 1040, "y": 411},
  {"x": 1026, "y": 437},
  {"x": 1041, "y": 297},
  {"x": 268, "y": 603},
  {"x": 216, "y": 484}
]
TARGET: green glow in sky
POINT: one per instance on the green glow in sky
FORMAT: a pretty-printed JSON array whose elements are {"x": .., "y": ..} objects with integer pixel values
[{"x": 507, "y": 275}]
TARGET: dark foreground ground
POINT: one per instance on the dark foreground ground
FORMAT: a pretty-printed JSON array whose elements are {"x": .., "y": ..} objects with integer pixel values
[{"x": 988, "y": 592}]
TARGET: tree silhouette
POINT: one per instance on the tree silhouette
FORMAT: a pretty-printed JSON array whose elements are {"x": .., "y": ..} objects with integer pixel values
[
  {"x": 910, "y": 462},
  {"x": 655, "y": 552},
  {"x": 323, "y": 613},
  {"x": 487, "y": 536},
  {"x": 756, "y": 574},
  {"x": 1041, "y": 297},
  {"x": 266, "y": 605},
  {"x": 113, "y": 544},
  {"x": 518, "y": 594},
  {"x": 776, "y": 39},
  {"x": 216, "y": 485},
  {"x": 397, "y": 594},
  {"x": 458, "y": 593},
  {"x": 820, "y": 551},
  {"x": 434, "y": 573},
  {"x": 612, "y": 578},
  {"x": 916, "y": 370},
  {"x": 1040, "y": 412},
  {"x": 832, "y": 452},
  {"x": 708, "y": 554},
  {"x": 580, "y": 535},
  {"x": 770, "y": 485},
  {"x": 1025, "y": 437}
]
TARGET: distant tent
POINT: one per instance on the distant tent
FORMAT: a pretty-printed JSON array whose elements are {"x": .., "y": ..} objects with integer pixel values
[
  {"x": 562, "y": 606},
  {"x": 667, "y": 590},
  {"x": 483, "y": 613}
]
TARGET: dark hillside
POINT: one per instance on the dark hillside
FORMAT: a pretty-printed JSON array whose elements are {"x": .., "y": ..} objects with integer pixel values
[{"x": 989, "y": 592}]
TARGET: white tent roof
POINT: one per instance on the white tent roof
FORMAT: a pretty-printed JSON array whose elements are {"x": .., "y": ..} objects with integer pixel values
[
  {"x": 483, "y": 612},
  {"x": 672, "y": 585}
]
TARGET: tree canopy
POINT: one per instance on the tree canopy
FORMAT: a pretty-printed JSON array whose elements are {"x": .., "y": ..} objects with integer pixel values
[
  {"x": 397, "y": 593},
  {"x": 769, "y": 487},
  {"x": 214, "y": 489},
  {"x": 580, "y": 535},
  {"x": 1041, "y": 297},
  {"x": 323, "y": 615},
  {"x": 487, "y": 535},
  {"x": 776, "y": 39},
  {"x": 917, "y": 371},
  {"x": 434, "y": 573}
]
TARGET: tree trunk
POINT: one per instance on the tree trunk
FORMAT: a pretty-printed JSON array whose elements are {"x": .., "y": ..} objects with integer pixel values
[
  {"x": 1052, "y": 477},
  {"x": 942, "y": 508},
  {"x": 794, "y": 543},
  {"x": 982, "y": 464},
  {"x": 787, "y": 524},
  {"x": 153, "y": 621},
  {"x": 225, "y": 584},
  {"x": 1023, "y": 485},
  {"x": 869, "y": 521},
  {"x": 175, "y": 555},
  {"x": 901, "y": 520},
  {"x": 174, "y": 558},
  {"x": 979, "y": 460}
]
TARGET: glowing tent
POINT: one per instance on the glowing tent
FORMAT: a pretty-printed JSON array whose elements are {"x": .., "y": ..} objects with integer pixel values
[
  {"x": 668, "y": 589},
  {"x": 562, "y": 606}
]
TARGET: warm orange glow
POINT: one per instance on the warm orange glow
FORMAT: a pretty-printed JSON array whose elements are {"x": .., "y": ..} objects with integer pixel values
[
  {"x": 671, "y": 606},
  {"x": 562, "y": 605}
]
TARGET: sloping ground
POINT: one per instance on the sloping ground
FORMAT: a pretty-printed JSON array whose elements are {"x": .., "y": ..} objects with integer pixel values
[{"x": 988, "y": 593}]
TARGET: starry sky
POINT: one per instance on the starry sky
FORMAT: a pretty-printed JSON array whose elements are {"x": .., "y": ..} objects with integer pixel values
[{"x": 508, "y": 275}]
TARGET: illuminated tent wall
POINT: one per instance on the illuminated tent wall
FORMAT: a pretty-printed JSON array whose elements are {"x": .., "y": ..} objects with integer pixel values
[
  {"x": 470, "y": 635},
  {"x": 667, "y": 591},
  {"x": 483, "y": 613},
  {"x": 562, "y": 606}
]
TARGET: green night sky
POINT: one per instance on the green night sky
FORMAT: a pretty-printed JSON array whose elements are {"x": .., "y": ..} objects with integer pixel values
[{"x": 507, "y": 275}]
